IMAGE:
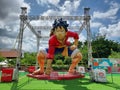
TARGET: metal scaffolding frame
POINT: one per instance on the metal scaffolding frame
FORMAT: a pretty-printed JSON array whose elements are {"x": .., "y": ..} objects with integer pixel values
[{"x": 25, "y": 21}]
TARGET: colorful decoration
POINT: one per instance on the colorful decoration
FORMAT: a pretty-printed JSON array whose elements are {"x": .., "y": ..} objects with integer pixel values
[{"x": 109, "y": 64}]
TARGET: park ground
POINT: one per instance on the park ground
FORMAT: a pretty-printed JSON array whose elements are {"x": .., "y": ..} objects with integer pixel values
[{"x": 26, "y": 83}]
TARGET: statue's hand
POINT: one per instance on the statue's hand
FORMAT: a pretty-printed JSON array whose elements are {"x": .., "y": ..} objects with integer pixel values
[{"x": 73, "y": 47}]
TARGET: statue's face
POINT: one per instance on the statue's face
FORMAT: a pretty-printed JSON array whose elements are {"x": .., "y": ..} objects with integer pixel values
[{"x": 60, "y": 33}]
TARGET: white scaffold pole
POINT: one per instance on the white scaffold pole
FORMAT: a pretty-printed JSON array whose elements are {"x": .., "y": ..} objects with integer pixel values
[
  {"x": 87, "y": 22},
  {"x": 20, "y": 37}
]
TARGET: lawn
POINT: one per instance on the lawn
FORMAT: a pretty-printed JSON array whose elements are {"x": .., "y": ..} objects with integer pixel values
[{"x": 26, "y": 83}]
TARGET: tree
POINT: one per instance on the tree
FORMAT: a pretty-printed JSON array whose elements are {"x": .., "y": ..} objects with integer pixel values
[
  {"x": 67, "y": 60},
  {"x": 84, "y": 51},
  {"x": 2, "y": 58},
  {"x": 114, "y": 54},
  {"x": 102, "y": 47},
  {"x": 12, "y": 62},
  {"x": 29, "y": 59}
]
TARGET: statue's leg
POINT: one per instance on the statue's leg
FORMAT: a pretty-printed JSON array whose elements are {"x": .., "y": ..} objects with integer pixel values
[
  {"x": 48, "y": 67},
  {"x": 75, "y": 60},
  {"x": 41, "y": 60}
]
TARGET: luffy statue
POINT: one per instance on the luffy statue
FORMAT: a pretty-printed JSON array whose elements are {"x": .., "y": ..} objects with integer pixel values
[{"x": 58, "y": 43}]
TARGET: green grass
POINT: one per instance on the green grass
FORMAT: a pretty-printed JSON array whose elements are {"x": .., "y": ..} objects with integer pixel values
[{"x": 26, "y": 83}]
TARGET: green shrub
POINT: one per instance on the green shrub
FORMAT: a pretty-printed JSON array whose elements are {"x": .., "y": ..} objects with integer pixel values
[
  {"x": 60, "y": 67},
  {"x": 59, "y": 62}
]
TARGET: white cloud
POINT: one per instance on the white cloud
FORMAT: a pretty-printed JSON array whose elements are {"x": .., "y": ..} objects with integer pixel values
[
  {"x": 66, "y": 9},
  {"x": 9, "y": 21},
  {"x": 110, "y": 14},
  {"x": 10, "y": 11},
  {"x": 76, "y": 23},
  {"x": 111, "y": 31},
  {"x": 96, "y": 24},
  {"x": 70, "y": 6},
  {"x": 76, "y": 4},
  {"x": 54, "y": 2},
  {"x": 106, "y": 1},
  {"x": 43, "y": 2},
  {"x": 30, "y": 47},
  {"x": 67, "y": 5},
  {"x": 114, "y": 5},
  {"x": 51, "y": 12},
  {"x": 82, "y": 38}
]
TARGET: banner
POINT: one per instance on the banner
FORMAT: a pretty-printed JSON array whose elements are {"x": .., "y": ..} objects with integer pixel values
[{"x": 108, "y": 64}]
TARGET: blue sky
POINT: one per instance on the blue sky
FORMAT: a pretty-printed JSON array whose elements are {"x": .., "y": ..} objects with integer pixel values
[{"x": 104, "y": 14}]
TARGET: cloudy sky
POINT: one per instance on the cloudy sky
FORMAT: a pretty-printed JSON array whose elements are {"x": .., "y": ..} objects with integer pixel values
[{"x": 105, "y": 19}]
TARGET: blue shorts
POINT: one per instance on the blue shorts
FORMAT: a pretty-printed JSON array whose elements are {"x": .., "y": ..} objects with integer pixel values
[{"x": 60, "y": 50}]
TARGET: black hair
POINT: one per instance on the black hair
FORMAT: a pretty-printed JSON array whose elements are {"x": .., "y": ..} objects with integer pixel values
[{"x": 60, "y": 23}]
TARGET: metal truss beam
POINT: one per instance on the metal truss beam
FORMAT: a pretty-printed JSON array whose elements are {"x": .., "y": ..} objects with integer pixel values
[{"x": 32, "y": 17}]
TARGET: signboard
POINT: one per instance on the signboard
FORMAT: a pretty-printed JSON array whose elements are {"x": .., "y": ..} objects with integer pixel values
[
  {"x": 7, "y": 74},
  {"x": 99, "y": 75},
  {"x": 81, "y": 69}
]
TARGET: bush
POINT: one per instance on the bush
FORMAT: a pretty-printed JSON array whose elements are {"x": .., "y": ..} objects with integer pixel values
[
  {"x": 67, "y": 60},
  {"x": 59, "y": 62},
  {"x": 60, "y": 67}
]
